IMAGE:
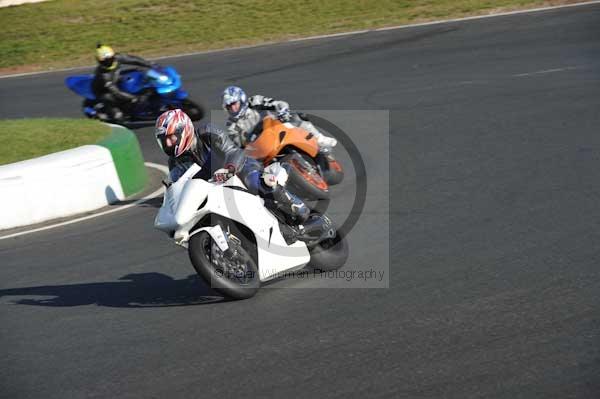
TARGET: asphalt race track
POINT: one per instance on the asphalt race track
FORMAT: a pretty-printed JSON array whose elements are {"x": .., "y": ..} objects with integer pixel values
[{"x": 493, "y": 251}]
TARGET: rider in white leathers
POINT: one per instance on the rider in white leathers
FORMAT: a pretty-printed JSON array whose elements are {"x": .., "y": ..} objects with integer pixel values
[{"x": 245, "y": 116}]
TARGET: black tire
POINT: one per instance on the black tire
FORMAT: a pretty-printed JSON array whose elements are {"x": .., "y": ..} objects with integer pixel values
[
  {"x": 219, "y": 280},
  {"x": 333, "y": 176},
  {"x": 330, "y": 254},
  {"x": 333, "y": 173},
  {"x": 194, "y": 110},
  {"x": 298, "y": 184}
]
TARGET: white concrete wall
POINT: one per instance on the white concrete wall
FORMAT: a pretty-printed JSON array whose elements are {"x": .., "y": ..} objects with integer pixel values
[
  {"x": 6, "y": 3},
  {"x": 57, "y": 185}
]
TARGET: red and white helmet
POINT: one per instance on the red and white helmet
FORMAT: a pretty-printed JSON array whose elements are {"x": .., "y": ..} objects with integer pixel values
[{"x": 174, "y": 132}]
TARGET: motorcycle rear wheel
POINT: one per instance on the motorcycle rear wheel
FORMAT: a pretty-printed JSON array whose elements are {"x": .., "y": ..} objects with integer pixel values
[{"x": 329, "y": 254}]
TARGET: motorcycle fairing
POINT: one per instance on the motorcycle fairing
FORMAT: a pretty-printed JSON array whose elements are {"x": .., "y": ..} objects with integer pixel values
[
  {"x": 81, "y": 85},
  {"x": 276, "y": 136},
  {"x": 182, "y": 209},
  {"x": 133, "y": 82}
]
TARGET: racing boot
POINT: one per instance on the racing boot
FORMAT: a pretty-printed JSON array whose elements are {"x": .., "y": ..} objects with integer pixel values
[
  {"x": 114, "y": 113},
  {"x": 316, "y": 229},
  {"x": 109, "y": 109},
  {"x": 325, "y": 143},
  {"x": 118, "y": 115},
  {"x": 294, "y": 209}
]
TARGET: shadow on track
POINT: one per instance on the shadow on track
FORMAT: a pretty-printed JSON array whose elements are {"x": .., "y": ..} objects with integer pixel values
[
  {"x": 132, "y": 291},
  {"x": 155, "y": 202}
]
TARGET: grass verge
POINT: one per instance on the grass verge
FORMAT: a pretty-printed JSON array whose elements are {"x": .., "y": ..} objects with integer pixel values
[
  {"x": 63, "y": 33},
  {"x": 30, "y": 138}
]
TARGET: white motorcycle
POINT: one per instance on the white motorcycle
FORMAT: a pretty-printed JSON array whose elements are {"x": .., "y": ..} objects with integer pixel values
[{"x": 234, "y": 242}]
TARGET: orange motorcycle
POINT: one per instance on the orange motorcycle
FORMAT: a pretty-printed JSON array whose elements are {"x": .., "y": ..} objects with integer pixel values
[{"x": 310, "y": 171}]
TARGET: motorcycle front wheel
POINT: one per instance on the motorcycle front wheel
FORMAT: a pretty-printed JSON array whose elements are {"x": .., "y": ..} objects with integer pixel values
[
  {"x": 331, "y": 169},
  {"x": 232, "y": 273}
]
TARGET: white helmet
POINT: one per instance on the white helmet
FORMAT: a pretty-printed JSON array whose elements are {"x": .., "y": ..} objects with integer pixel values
[{"x": 232, "y": 95}]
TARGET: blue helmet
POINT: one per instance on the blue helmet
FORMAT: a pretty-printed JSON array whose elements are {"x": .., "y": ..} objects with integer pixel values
[{"x": 231, "y": 95}]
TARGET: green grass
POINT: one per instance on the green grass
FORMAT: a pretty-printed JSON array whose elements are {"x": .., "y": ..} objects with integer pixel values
[
  {"x": 29, "y": 138},
  {"x": 63, "y": 33}
]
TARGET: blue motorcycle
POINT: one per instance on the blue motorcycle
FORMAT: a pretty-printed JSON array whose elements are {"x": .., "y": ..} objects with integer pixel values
[{"x": 159, "y": 90}]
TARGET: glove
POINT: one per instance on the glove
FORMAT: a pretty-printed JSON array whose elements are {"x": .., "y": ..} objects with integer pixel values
[
  {"x": 275, "y": 174},
  {"x": 283, "y": 111},
  {"x": 223, "y": 174}
]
